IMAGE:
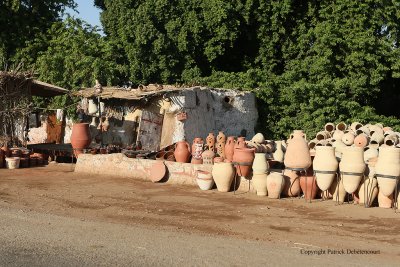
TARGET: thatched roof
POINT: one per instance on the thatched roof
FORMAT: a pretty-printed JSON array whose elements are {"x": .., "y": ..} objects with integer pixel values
[{"x": 45, "y": 89}]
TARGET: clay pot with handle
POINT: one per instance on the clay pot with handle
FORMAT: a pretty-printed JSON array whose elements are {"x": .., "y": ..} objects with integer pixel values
[
  {"x": 182, "y": 152},
  {"x": 297, "y": 152}
]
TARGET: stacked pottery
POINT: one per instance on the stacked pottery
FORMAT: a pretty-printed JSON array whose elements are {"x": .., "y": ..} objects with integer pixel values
[
  {"x": 325, "y": 166},
  {"x": 260, "y": 170},
  {"x": 182, "y": 151},
  {"x": 204, "y": 180},
  {"x": 352, "y": 168},
  {"x": 275, "y": 184},
  {"x": 388, "y": 169},
  {"x": 197, "y": 150},
  {"x": 297, "y": 154},
  {"x": 221, "y": 141},
  {"x": 243, "y": 158},
  {"x": 80, "y": 137},
  {"x": 223, "y": 174},
  {"x": 229, "y": 147}
]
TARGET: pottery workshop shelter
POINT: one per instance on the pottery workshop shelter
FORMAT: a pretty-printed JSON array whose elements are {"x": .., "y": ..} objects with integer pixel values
[
  {"x": 16, "y": 91},
  {"x": 159, "y": 116}
]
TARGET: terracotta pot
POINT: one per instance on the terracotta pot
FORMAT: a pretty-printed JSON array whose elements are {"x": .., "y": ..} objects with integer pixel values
[
  {"x": 244, "y": 158},
  {"x": 229, "y": 147},
  {"x": 260, "y": 164},
  {"x": 204, "y": 180},
  {"x": 157, "y": 171},
  {"x": 368, "y": 191},
  {"x": 361, "y": 140},
  {"x": 388, "y": 165},
  {"x": 258, "y": 138},
  {"x": 329, "y": 127},
  {"x": 182, "y": 152},
  {"x": 355, "y": 126},
  {"x": 325, "y": 161},
  {"x": 275, "y": 184},
  {"x": 259, "y": 182},
  {"x": 292, "y": 183},
  {"x": 308, "y": 185},
  {"x": 12, "y": 162},
  {"x": 241, "y": 142},
  {"x": 208, "y": 157},
  {"x": 223, "y": 174},
  {"x": 348, "y": 138},
  {"x": 279, "y": 154},
  {"x": 353, "y": 166},
  {"x": 341, "y": 126},
  {"x": 80, "y": 137},
  {"x": 211, "y": 142},
  {"x": 297, "y": 153},
  {"x": 385, "y": 202}
]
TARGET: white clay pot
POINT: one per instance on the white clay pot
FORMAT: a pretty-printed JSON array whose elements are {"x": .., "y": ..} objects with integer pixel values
[
  {"x": 388, "y": 165},
  {"x": 12, "y": 163},
  {"x": 275, "y": 184},
  {"x": 223, "y": 173},
  {"x": 325, "y": 161},
  {"x": 352, "y": 167},
  {"x": 279, "y": 155},
  {"x": 260, "y": 164},
  {"x": 259, "y": 182},
  {"x": 204, "y": 180}
]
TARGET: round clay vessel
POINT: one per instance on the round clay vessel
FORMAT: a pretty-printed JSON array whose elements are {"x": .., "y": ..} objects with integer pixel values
[
  {"x": 361, "y": 140},
  {"x": 297, "y": 153},
  {"x": 158, "y": 171},
  {"x": 385, "y": 202},
  {"x": 243, "y": 157},
  {"x": 204, "y": 180},
  {"x": 182, "y": 152},
  {"x": 258, "y": 138},
  {"x": 348, "y": 138},
  {"x": 353, "y": 166},
  {"x": 229, "y": 147},
  {"x": 275, "y": 184},
  {"x": 388, "y": 165},
  {"x": 223, "y": 174},
  {"x": 363, "y": 130},
  {"x": 292, "y": 183},
  {"x": 325, "y": 161},
  {"x": 355, "y": 126},
  {"x": 377, "y": 138},
  {"x": 12, "y": 163},
  {"x": 208, "y": 157},
  {"x": 259, "y": 182},
  {"x": 337, "y": 135},
  {"x": 80, "y": 137},
  {"x": 279, "y": 155},
  {"x": 322, "y": 135},
  {"x": 308, "y": 185},
  {"x": 341, "y": 126},
  {"x": 368, "y": 191},
  {"x": 260, "y": 164}
]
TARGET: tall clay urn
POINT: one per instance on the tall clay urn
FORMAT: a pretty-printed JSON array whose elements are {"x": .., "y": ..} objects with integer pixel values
[
  {"x": 243, "y": 158},
  {"x": 260, "y": 164},
  {"x": 275, "y": 184},
  {"x": 223, "y": 173},
  {"x": 80, "y": 137},
  {"x": 182, "y": 152},
  {"x": 388, "y": 169},
  {"x": 352, "y": 168},
  {"x": 229, "y": 148},
  {"x": 297, "y": 153},
  {"x": 325, "y": 166}
]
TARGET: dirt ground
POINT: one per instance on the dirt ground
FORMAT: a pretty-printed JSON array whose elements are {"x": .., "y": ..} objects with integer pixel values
[{"x": 56, "y": 189}]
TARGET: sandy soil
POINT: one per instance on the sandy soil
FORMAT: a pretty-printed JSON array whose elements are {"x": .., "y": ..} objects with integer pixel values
[{"x": 57, "y": 190}]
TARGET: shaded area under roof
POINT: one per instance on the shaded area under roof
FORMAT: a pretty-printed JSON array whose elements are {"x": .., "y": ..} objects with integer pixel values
[{"x": 43, "y": 89}]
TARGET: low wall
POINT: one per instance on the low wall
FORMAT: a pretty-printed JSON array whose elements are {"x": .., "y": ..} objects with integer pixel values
[{"x": 118, "y": 165}]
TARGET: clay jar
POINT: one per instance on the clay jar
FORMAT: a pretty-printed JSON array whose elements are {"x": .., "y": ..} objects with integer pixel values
[
  {"x": 211, "y": 141},
  {"x": 243, "y": 157},
  {"x": 278, "y": 154},
  {"x": 308, "y": 185},
  {"x": 204, "y": 180},
  {"x": 80, "y": 137},
  {"x": 197, "y": 150},
  {"x": 275, "y": 184},
  {"x": 355, "y": 126},
  {"x": 348, "y": 138},
  {"x": 352, "y": 167},
  {"x": 325, "y": 161},
  {"x": 241, "y": 142},
  {"x": 292, "y": 183},
  {"x": 229, "y": 148},
  {"x": 223, "y": 173},
  {"x": 361, "y": 140},
  {"x": 12, "y": 162},
  {"x": 297, "y": 153},
  {"x": 258, "y": 138},
  {"x": 259, "y": 182},
  {"x": 182, "y": 152},
  {"x": 388, "y": 165},
  {"x": 208, "y": 157},
  {"x": 260, "y": 164}
]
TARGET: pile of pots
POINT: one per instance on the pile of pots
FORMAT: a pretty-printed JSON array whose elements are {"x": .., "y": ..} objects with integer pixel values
[{"x": 15, "y": 158}]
